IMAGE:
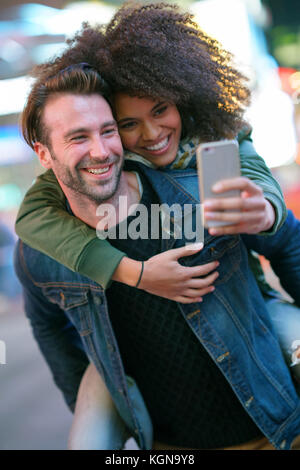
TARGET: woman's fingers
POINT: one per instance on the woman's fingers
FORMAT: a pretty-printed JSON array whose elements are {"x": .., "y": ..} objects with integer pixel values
[
  {"x": 249, "y": 213},
  {"x": 233, "y": 204},
  {"x": 188, "y": 300},
  {"x": 241, "y": 183},
  {"x": 201, "y": 270},
  {"x": 166, "y": 277},
  {"x": 235, "y": 217},
  {"x": 187, "y": 250},
  {"x": 202, "y": 282}
]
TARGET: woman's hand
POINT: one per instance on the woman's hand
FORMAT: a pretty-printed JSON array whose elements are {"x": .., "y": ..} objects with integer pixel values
[
  {"x": 165, "y": 277},
  {"x": 250, "y": 213}
]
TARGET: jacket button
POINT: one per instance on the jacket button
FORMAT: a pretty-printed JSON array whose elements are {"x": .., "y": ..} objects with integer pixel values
[{"x": 222, "y": 357}]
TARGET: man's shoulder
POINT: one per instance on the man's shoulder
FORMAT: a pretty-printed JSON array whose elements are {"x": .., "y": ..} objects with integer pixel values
[
  {"x": 42, "y": 270},
  {"x": 35, "y": 265}
]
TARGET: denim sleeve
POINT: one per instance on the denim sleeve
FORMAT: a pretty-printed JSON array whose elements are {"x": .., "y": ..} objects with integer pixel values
[
  {"x": 283, "y": 252},
  {"x": 58, "y": 340}
]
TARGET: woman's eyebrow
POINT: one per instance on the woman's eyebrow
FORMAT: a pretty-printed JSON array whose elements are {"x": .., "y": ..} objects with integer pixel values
[
  {"x": 128, "y": 118},
  {"x": 158, "y": 105}
]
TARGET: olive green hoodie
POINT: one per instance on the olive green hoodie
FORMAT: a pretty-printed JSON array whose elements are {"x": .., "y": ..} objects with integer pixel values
[{"x": 44, "y": 223}]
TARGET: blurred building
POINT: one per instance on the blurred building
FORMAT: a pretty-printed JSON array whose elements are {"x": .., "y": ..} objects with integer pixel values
[{"x": 240, "y": 26}]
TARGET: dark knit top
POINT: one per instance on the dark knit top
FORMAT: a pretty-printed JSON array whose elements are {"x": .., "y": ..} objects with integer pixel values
[{"x": 190, "y": 402}]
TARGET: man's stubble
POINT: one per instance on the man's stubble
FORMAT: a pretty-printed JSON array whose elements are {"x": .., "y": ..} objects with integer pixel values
[{"x": 99, "y": 192}]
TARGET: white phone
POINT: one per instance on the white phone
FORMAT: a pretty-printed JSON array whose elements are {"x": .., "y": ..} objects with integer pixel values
[{"x": 217, "y": 161}]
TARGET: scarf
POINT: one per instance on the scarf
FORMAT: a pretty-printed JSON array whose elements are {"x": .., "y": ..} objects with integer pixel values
[{"x": 186, "y": 152}]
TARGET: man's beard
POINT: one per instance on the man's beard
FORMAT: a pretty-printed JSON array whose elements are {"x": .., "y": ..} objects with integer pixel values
[{"x": 98, "y": 192}]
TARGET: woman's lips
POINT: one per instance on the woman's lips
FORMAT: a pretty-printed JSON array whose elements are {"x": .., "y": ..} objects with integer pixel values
[{"x": 160, "y": 148}]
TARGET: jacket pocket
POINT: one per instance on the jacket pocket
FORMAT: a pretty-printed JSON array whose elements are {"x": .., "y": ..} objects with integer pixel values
[
  {"x": 75, "y": 303},
  {"x": 226, "y": 250}
]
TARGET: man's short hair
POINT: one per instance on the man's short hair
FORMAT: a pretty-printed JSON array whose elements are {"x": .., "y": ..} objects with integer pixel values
[{"x": 78, "y": 79}]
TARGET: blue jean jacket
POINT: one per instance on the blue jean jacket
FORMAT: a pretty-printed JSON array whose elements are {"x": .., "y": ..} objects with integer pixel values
[{"x": 70, "y": 322}]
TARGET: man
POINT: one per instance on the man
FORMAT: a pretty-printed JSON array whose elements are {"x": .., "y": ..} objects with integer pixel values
[{"x": 145, "y": 342}]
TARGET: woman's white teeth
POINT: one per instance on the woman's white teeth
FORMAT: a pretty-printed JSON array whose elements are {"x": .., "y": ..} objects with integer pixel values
[
  {"x": 160, "y": 145},
  {"x": 98, "y": 171}
]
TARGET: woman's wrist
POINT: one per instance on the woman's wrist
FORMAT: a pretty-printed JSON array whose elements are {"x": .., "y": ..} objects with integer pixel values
[{"x": 128, "y": 272}]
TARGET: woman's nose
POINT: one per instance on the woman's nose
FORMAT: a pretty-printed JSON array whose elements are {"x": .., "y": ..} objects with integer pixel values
[{"x": 150, "y": 131}]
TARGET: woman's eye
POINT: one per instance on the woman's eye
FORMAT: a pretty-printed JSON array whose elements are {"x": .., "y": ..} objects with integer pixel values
[
  {"x": 127, "y": 125},
  {"x": 160, "y": 110}
]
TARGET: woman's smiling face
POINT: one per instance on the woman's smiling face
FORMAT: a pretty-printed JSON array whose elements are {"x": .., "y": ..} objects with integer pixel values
[{"x": 148, "y": 127}]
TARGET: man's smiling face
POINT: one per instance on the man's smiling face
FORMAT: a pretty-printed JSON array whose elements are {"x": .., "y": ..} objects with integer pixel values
[{"x": 85, "y": 150}]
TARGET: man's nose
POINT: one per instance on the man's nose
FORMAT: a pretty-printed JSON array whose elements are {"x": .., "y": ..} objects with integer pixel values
[
  {"x": 150, "y": 131},
  {"x": 98, "y": 148}
]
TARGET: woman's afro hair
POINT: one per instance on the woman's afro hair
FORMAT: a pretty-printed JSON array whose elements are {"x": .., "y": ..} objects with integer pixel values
[{"x": 157, "y": 51}]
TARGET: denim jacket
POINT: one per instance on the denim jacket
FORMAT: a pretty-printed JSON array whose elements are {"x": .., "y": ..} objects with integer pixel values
[{"x": 70, "y": 320}]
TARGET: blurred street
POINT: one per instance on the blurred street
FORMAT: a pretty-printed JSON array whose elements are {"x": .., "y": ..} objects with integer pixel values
[{"x": 33, "y": 415}]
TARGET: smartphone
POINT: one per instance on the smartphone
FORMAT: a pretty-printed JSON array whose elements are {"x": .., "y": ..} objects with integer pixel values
[{"x": 217, "y": 161}]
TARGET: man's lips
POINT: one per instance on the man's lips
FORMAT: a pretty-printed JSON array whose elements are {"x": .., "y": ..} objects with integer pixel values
[{"x": 99, "y": 171}]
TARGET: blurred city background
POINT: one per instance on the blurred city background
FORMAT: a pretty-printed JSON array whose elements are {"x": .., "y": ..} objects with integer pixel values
[{"x": 265, "y": 38}]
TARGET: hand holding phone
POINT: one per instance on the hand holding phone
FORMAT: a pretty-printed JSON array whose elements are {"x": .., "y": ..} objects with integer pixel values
[
  {"x": 216, "y": 162},
  {"x": 232, "y": 203}
]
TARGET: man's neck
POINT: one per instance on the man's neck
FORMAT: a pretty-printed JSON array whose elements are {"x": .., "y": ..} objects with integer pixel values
[{"x": 126, "y": 195}]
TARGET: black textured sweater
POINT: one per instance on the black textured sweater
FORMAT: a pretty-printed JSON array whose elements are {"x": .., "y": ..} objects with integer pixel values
[{"x": 190, "y": 402}]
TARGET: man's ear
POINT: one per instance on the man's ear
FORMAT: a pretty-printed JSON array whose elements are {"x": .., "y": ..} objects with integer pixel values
[{"x": 44, "y": 155}]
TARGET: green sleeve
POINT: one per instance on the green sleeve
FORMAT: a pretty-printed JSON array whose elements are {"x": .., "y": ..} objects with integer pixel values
[
  {"x": 44, "y": 224},
  {"x": 254, "y": 168}
]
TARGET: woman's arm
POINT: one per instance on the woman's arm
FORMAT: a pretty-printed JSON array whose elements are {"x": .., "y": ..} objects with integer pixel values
[{"x": 44, "y": 224}]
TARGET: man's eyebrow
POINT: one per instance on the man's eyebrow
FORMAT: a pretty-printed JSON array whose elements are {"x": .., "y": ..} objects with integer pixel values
[
  {"x": 77, "y": 130},
  {"x": 83, "y": 130}
]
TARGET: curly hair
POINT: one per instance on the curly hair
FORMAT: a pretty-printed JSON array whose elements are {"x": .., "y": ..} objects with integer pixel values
[{"x": 157, "y": 51}]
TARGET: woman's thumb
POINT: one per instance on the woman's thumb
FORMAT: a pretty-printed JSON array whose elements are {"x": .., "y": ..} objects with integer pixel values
[{"x": 188, "y": 250}]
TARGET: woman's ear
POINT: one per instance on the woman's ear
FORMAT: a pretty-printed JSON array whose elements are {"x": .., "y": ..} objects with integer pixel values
[{"x": 44, "y": 155}]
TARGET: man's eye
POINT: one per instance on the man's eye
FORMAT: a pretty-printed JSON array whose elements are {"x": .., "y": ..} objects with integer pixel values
[
  {"x": 78, "y": 137},
  {"x": 111, "y": 130}
]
